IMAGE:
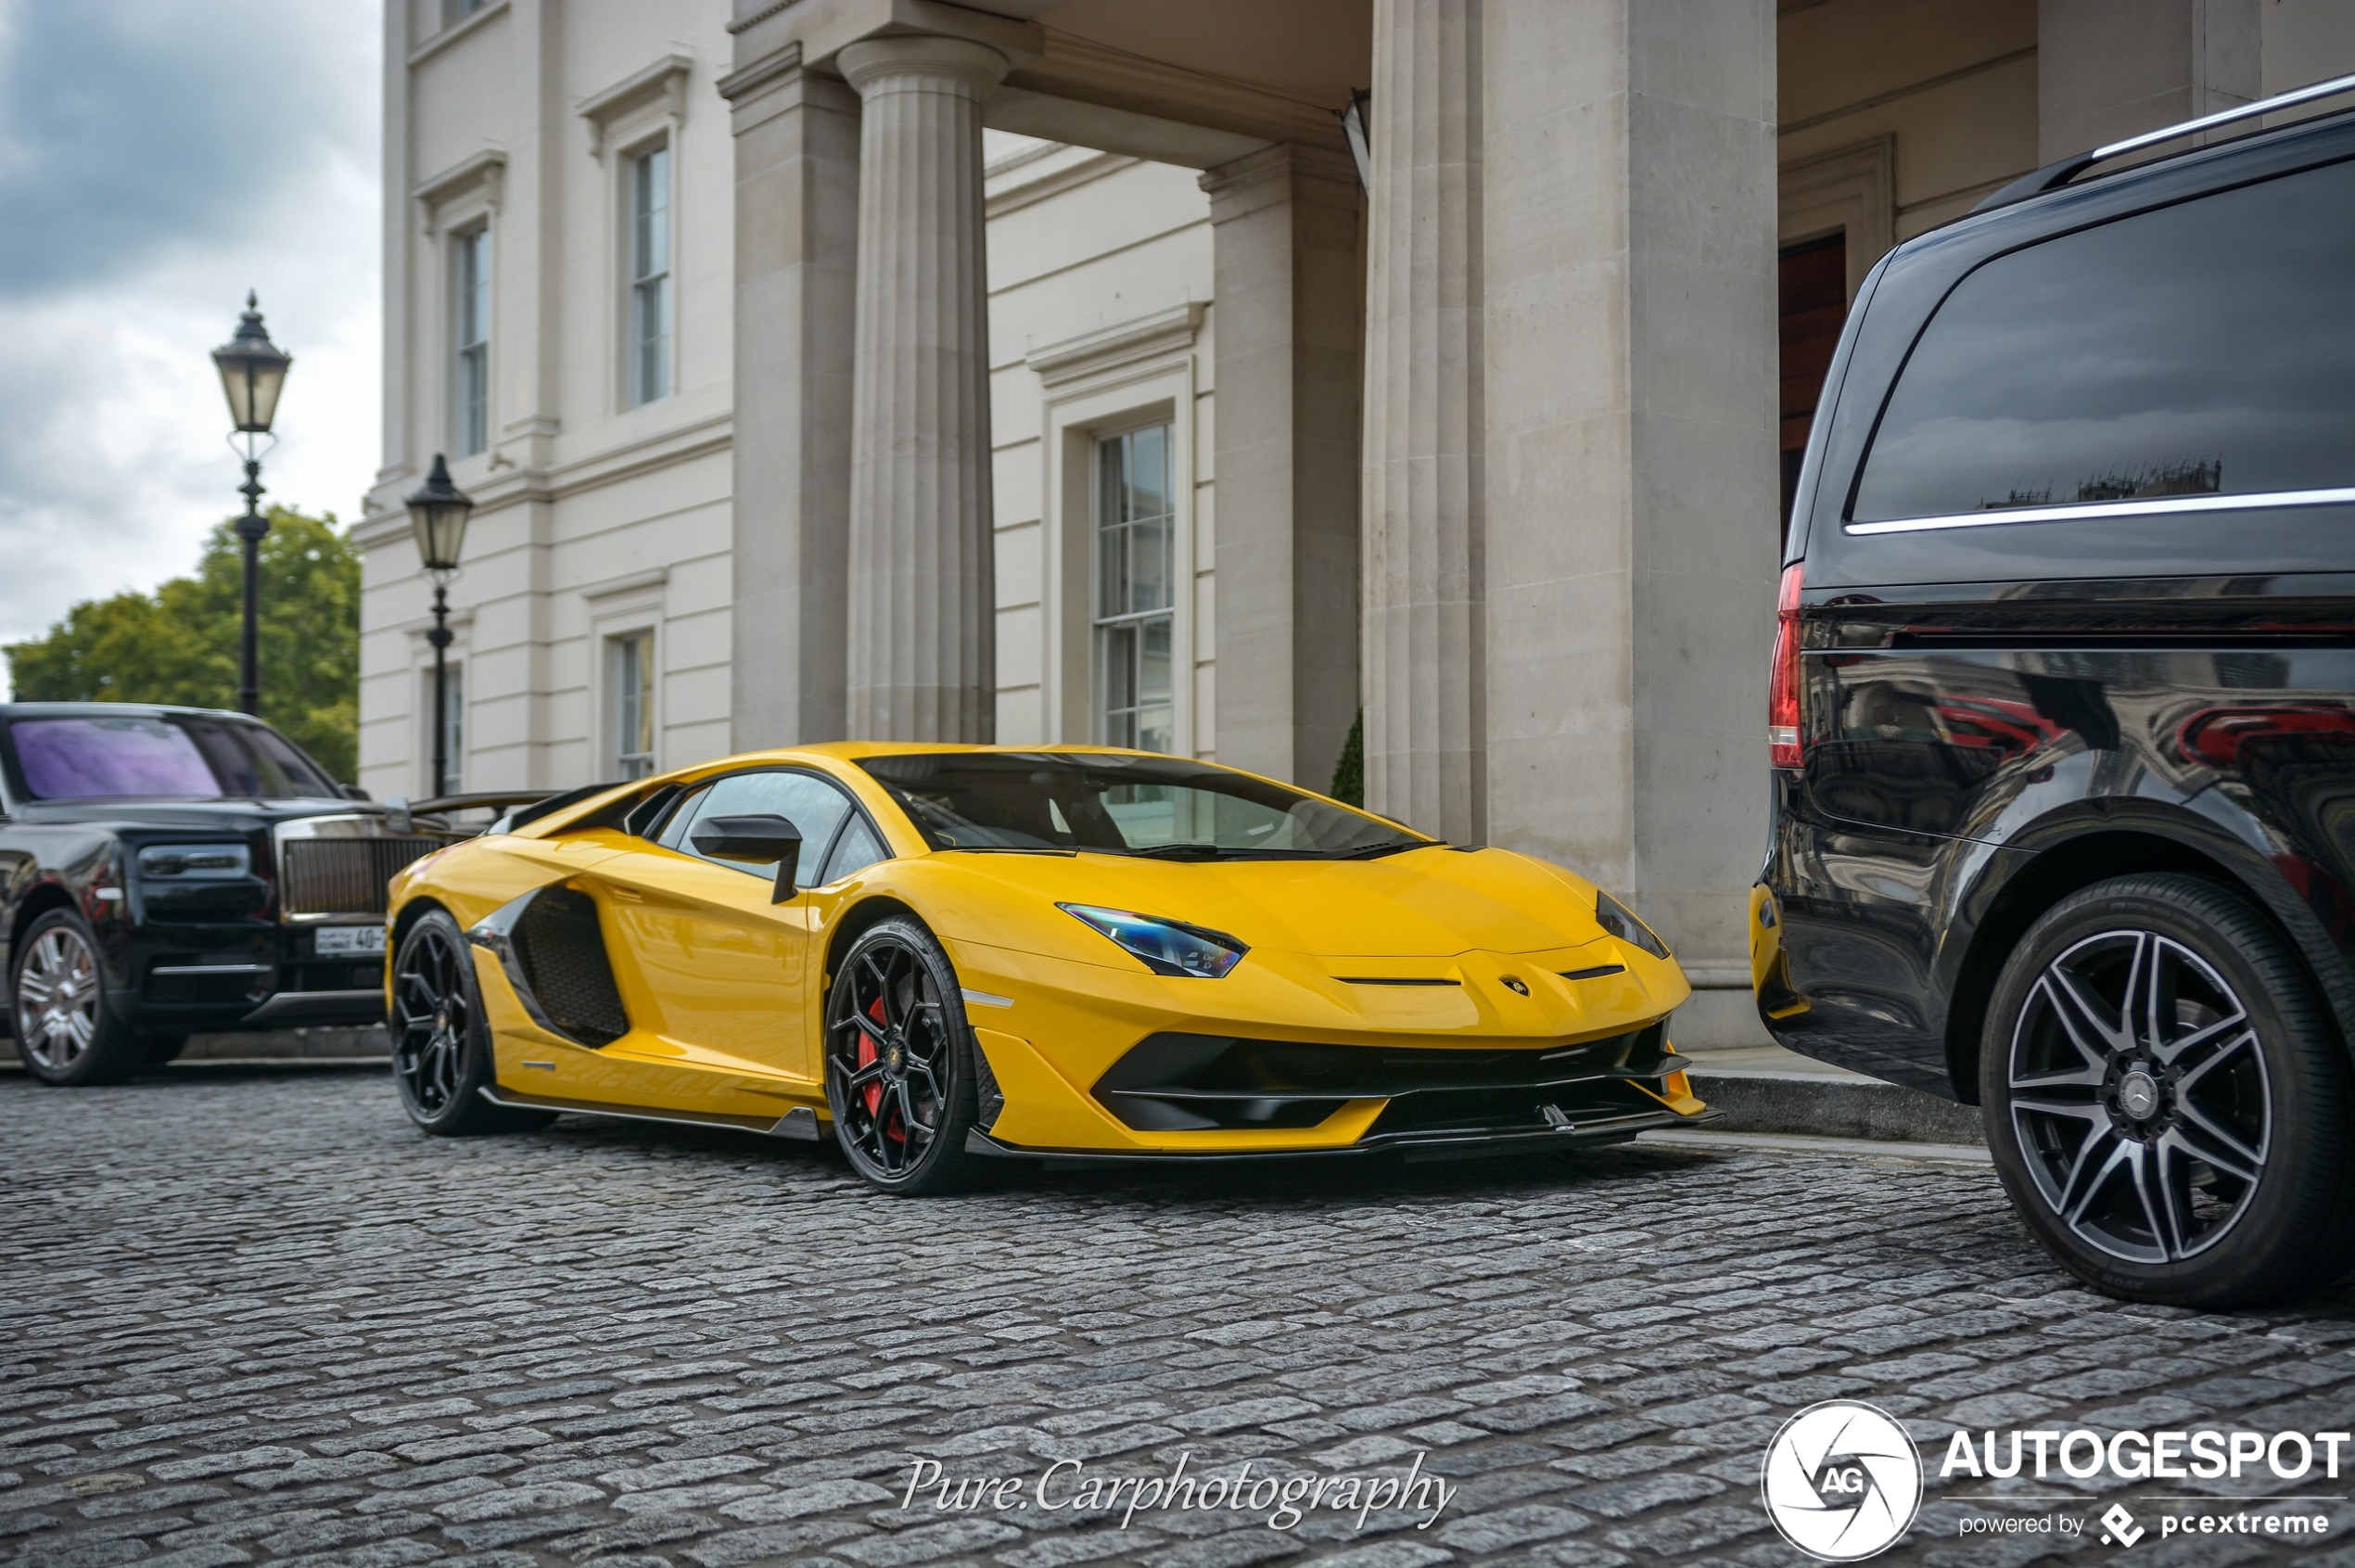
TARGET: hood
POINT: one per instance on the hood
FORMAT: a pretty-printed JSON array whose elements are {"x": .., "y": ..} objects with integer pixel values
[
  {"x": 238, "y": 816},
  {"x": 1421, "y": 903}
]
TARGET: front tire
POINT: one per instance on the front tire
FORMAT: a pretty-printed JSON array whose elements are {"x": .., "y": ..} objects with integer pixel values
[
  {"x": 441, "y": 1058},
  {"x": 68, "y": 1034},
  {"x": 2166, "y": 1099},
  {"x": 899, "y": 1063}
]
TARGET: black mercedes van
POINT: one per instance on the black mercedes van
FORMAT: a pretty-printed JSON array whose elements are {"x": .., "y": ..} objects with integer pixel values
[{"x": 2062, "y": 713}]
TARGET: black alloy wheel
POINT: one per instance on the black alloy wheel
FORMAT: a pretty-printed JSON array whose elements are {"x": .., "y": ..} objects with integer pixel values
[
  {"x": 2167, "y": 1102},
  {"x": 68, "y": 1034},
  {"x": 899, "y": 1080},
  {"x": 441, "y": 1055}
]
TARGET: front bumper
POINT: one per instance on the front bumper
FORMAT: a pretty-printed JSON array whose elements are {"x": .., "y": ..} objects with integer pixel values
[
  {"x": 174, "y": 977},
  {"x": 1503, "y": 1052}
]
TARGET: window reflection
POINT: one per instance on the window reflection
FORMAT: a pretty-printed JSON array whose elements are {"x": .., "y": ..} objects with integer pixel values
[{"x": 2206, "y": 348}]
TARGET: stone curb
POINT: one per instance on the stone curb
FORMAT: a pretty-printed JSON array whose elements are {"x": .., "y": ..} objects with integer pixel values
[{"x": 1822, "y": 1106}]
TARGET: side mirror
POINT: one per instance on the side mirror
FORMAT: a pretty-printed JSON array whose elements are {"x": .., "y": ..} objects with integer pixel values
[{"x": 759, "y": 840}]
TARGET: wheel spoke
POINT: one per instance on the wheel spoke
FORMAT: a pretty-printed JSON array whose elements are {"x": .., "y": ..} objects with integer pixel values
[
  {"x": 2081, "y": 1017},
  {"x": 2097, "y": 1158},
  {"x": 2076, "y": 1110},
  {"x": 2204, "y": 1140},
  {"x": 2214, "y": 1046},
  {"x": 2157, "y": 1199},
  {"x": 2138, "y": 1009}
]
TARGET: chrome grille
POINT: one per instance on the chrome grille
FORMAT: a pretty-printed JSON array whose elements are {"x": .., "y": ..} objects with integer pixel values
[{"x": 346, "y": 876}]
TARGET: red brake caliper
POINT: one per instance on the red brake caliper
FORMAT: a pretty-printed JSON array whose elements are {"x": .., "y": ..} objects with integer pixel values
[{"x": 873, "y": 1094}]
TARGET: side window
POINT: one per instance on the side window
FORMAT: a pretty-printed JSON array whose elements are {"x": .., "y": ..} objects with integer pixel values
[
  {"x": 673, "y": 833},
  {"x": 807, "y": 801},
  {"x": 858, "y": 849},
  {"x": 2203, "y": 348}
]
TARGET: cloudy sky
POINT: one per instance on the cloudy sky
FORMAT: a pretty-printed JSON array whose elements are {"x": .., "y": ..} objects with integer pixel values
[{"x": 159, "y": 158}]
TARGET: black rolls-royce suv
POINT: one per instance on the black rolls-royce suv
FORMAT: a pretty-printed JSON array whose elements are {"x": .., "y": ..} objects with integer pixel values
[
  {"x": 2062, "y": 710},
  {"x": 170, "y": 870}
]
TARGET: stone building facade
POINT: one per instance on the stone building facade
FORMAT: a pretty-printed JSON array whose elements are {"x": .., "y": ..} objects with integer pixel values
[{"x": 1057, "y": 371}]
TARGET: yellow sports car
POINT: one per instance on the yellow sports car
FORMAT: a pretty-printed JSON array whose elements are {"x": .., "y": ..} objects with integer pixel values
[{"x": 949, "y": 954}]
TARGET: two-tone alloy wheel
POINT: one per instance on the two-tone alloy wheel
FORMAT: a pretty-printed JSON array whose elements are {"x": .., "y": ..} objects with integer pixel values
[
  {"x": 2166, "y": 1100},
  {"x": 899, "y": 1080},
  {"x": 67, "y": 1032}
]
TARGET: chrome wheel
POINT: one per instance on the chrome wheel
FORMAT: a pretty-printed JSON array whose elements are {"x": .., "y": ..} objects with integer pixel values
[
  {"x": 58, "y": 999},
  {"x": 432, "y": 1012},
  {"x": 889, "y": 1058},
  {"x": 2138, "y": 1094}
]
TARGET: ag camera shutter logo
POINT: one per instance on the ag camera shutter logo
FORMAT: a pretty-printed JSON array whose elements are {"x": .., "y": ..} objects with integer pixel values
[{"x": 1843, "y": 1481}]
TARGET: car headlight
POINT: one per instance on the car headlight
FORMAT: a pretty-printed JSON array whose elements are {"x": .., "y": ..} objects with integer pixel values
[
  {"x": 1166, "y": 947},
  {"x": 194, "y": 862},
  {"x": 1620, "y": 920}
]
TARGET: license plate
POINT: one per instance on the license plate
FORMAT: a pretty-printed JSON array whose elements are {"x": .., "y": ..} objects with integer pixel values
[{"x": 351, "y": 941}]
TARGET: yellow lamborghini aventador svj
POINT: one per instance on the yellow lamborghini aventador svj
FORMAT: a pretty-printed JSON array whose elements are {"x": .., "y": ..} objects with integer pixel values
[{"x": 949, "y": 954}]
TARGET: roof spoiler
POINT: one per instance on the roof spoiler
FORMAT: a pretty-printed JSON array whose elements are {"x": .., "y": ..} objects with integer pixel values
[{"x": 2055, "y": 176}]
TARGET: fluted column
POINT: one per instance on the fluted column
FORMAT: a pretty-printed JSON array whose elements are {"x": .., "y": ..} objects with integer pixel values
[
  {"x": 922, "y": 611},
  {"x": 1426, "y": 708}
]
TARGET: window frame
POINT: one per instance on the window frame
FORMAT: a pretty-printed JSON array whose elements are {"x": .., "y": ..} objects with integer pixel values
[
  {"x": 634, "y": 393},
  {"x": 615, "y": 758},
  {"x": 470, "y": 357},
  {"x": 1102, "y": 626}
]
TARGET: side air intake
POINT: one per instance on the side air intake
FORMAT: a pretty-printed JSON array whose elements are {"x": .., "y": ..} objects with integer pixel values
[{"x": 549, "y": 944}]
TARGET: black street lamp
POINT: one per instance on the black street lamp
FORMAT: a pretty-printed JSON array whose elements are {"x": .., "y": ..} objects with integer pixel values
[
  {"x": 253, "y": 371},
  {"x": 438, "y": 513}
]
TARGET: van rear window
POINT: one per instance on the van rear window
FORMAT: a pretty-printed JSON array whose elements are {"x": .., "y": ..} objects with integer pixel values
[{"x": 2206, "y": 348}]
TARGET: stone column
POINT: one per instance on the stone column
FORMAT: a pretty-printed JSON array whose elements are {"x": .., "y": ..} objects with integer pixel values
[
  {"x": 1285, "y": 229},
  {"x": 796, "y": 218},
  {"x": 1424, "y": 488},
  {"x": 923, "y": 607},
  {"x": 2106, "y": 69},
  {"x": 1631, "y": 525}
]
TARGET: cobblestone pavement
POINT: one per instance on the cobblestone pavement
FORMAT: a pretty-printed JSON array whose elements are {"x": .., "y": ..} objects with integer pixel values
[{"x": 251, "y": 1316}]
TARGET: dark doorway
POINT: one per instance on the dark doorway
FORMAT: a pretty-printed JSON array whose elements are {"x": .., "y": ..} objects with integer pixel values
[{"x": 1812, "y": 302}]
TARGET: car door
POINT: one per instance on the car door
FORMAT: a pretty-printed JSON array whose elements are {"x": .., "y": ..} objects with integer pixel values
[{"x": 727, "y": 973}]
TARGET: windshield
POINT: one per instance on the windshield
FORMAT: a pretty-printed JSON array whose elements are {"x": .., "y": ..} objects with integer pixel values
[
  {"x": 139, "y": 757},
  {"x": 1163, "y": 807}
]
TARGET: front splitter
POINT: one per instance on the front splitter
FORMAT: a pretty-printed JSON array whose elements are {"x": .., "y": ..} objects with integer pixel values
[{"x": 1432, "y": 1143}]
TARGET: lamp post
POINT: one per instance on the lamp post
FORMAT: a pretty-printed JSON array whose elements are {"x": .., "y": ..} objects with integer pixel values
[
  {"x": 253, "y": 371},
  {"x": 438, "y": 513}
]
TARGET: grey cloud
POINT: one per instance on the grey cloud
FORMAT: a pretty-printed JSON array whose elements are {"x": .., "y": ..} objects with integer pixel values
[{"x": 130, "y": 126}]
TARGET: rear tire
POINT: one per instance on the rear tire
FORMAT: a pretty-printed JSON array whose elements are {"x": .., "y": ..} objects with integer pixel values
[
  {"x": 2167, "y": 1100},
  {"x": 899, "y": 1063},
  {"x": 68, "y": 1033},
  {"x": 441, "y": 1058}
]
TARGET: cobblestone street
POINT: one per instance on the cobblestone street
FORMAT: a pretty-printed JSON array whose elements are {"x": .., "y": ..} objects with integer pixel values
[{"x": 252, "y": 1316}]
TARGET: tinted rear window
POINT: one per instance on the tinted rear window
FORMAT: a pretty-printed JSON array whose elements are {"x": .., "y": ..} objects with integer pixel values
[{"x": 2206, "y": 348}]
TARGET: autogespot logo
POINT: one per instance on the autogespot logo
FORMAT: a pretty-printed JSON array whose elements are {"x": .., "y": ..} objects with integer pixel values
[{"x": 1843, "y": 1481}]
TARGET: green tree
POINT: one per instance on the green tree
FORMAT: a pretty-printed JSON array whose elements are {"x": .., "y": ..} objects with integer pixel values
[
  {"x": 1349, "y": 773},
  {"x": 179, "y": 645}
]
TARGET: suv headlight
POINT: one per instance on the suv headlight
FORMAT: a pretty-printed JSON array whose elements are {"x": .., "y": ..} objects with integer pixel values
[
  {"x": 1620, "y": 920},
  {"x": 194, "y": 862},
  {"x": 1166, "y": 947}
]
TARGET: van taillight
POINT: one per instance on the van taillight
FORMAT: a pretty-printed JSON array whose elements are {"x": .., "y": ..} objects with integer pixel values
[{"x": 1782, "y": 690}]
